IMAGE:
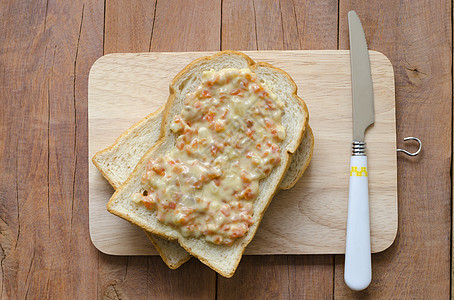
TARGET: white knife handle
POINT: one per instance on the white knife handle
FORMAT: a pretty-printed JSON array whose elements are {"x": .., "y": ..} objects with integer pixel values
[{"x": 358, "y": 269}]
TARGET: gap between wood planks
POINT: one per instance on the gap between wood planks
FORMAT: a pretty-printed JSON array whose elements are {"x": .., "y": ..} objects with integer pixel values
[
  {"x": 452, "y": 152},
  {"x": 152, "y": 27}
]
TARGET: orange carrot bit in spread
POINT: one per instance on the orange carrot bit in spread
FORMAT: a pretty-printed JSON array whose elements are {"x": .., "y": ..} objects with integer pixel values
[
  {"x": 159, "y": 170},
  {"x": 197, "y": 104},
  {"x": 209, "y": 117},
  {"x": 219, "y": 126},
  {"x": 177, "y": 169},
  {"x": 214, "y": 150},
  {"x": 250, "y": 133},
  {"x": 206, "y": 94},
  {"x": 149, "y": 202},
  {"x": 226, "y": 210},
  {"x": 245, "y": 177},
  {"x": 238, "y": 92},
  {"x": 225, "y": 114},
  {"x": 180, "y": 145},
  {"x": 244, "y": 84}
]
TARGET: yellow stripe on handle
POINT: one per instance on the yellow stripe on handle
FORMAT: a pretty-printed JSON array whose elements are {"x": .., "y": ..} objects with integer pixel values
[{"x": 354, "y": 172}]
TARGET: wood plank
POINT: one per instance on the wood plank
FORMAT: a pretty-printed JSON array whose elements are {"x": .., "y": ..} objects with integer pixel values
[
  {"x": 294, "y": 24},
  {"x": 141, "y": 277},
  {"x": 193, "y": 280},
  {"x": 119, "y": 89},
  {"x": 122, "y": 277},
  {"x": 10, "y": 128},
  {"x": 192, "y": 25},
  {"x": 46, "y": 252},
  {"x": 280, "y": 277},
  {"x": 311, "y": 276},
  {"x": 24, "y": 144},
  {"x": 258, "y": 277},
  {"x": 237, "y": 35},
  {"x": 132, "y": 22},
  {"x": 175, "y": 26},
  {"x": 317, "y": 23},
  {"x": 82, "y": 255},
  {"x": 238, "y": 25},
  {"x": 269, "y": 25},
  {"x": 418, "y": 42}
]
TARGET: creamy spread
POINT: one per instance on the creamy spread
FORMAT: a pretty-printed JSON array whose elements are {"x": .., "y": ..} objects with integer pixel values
[{"x": 228, "y": 139}]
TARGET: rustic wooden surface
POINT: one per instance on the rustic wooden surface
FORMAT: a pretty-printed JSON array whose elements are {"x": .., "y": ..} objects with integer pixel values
[
  {"x": 123, "y": 86},
  {"x": 47, "y": 49}
]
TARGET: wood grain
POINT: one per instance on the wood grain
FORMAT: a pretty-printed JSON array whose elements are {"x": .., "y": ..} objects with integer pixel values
[
  {"x": 47, "y": 49},
  {"x": 80, "y": 253},
  {"x": 192, "y": 25},
  {"x": 129, "y": 25},
  {"x": 193, "y": 280},
  {"x": 293, "y": 25},
  {"x": 21, "y": 139},
  {"x": 418, "y": 42},
  {"x": 122, "y": 277},
  {"x": 120, "y": 86}
]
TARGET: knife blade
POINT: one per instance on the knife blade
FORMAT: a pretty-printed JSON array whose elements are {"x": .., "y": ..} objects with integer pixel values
[
  {"x": 362, "y": 90},
  {"x": 358, "y": 267}
]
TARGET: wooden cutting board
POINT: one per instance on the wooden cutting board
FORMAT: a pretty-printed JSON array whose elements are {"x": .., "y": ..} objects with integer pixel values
[{"x": 308, "y": 219}]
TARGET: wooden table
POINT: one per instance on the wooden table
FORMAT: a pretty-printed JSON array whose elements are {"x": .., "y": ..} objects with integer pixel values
[{"x": 47, "y": 49}]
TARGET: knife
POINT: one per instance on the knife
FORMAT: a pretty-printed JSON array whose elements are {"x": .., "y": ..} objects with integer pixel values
[{"x": 358, "y": 268}]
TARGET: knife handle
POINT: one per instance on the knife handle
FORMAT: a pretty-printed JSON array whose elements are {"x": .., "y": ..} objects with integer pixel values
[{"x": 358, "y": 269}]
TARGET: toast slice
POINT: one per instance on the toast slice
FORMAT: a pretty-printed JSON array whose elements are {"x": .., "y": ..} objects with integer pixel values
[
  {"x": 117, "y": 162},
  {"x": 223, "y": 259}
]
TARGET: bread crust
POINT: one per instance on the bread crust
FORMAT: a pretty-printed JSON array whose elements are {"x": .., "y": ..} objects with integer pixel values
[
  {"x": 302, "y": 168},
  {"x": 163, "y": 255},
  {"x": 118, "y": 141},
  {"x": 245, "y": 240}
]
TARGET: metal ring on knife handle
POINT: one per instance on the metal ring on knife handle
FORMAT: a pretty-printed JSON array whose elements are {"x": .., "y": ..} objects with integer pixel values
[
  {"x": 411, "y": 153},
  {"x": 358, "y": 148}
]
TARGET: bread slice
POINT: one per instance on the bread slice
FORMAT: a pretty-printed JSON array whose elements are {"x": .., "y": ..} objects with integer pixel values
[
  {"x": 171, "y": 252},
  {"x": 300, "y": 160},
  {"x": 117, "y": 162},
  {"x": 223, "y": 259}
]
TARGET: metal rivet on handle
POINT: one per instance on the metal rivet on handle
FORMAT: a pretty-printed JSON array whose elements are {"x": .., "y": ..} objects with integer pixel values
[{"x": 410, "y": 153}]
